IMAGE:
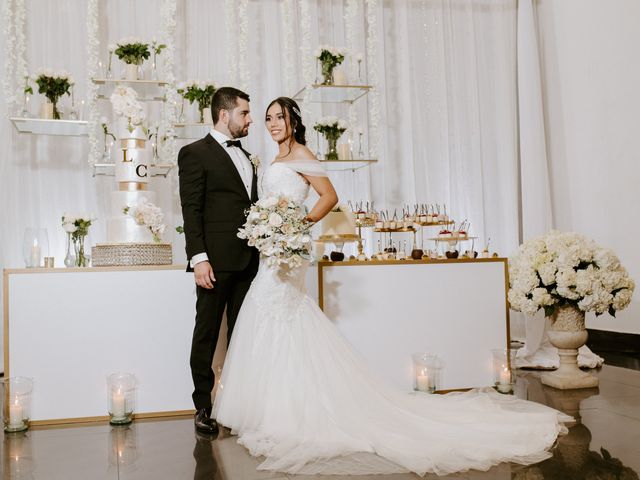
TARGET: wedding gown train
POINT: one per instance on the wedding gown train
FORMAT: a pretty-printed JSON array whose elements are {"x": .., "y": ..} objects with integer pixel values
[{"x": 296, "y": 393}]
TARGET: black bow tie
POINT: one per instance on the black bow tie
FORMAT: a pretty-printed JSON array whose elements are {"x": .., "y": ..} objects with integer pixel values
[{"x": 233, "y": 143}]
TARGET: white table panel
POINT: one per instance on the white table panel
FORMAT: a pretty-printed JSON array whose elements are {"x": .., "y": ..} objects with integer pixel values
[{"x": 456, "y": 310}]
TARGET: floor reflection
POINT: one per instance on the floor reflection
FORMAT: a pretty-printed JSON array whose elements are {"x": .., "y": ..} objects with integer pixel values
[{"x": 602, "y": 444}]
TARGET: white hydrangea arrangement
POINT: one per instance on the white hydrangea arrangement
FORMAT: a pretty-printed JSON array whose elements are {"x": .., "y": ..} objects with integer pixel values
[
  {"x": 146, "y": 213},
  {"x": 276, "y": 227},
  {"x": 125, "y": 104},
  {"x": 567, "y": 269}
]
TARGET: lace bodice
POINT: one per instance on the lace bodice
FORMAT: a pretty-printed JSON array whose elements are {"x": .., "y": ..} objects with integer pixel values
[{"x": 280, "y": 179}]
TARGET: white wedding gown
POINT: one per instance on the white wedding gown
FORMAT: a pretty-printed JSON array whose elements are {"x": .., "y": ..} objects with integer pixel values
[{"x": 295, "y": 392}]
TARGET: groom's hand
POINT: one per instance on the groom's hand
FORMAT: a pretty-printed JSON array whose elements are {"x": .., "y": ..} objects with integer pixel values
[{"x": 204, "y": 275}]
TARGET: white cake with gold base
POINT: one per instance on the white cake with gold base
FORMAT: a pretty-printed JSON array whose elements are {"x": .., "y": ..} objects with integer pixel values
[{"x": 129, "y": 242}]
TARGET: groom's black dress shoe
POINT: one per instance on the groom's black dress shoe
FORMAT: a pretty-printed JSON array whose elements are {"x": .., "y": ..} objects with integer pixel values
[{"x": 204, "y": 423}]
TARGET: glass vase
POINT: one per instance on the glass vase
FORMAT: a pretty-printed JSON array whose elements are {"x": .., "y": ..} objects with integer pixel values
[
  {"x": 17, "y": 395},
  {"x": 35, "y": 246},
  {"x": 504, "y": 364},
  {"x": 69, "y": 258},
  {"x": 121, "y": 396},
  {"x": 81, "y": 258},
  {"x": 327, "y": 74},
  {"x": 332, "y": 150},
  {"x": 426, "y": 372}
]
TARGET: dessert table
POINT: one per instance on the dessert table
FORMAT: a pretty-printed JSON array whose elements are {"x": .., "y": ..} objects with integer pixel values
[{"x": 68, "y": 328}]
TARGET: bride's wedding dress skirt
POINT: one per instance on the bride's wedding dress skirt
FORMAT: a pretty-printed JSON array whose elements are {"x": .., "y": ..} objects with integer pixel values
[{"x": 295, "y": 392}]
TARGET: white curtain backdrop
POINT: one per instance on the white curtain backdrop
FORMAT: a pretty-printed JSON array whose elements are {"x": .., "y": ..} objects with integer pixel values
[{"x": 449, "y": 108}]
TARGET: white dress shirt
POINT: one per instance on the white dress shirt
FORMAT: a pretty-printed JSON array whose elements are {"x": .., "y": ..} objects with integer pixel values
[{"x": 245, "y": 169}]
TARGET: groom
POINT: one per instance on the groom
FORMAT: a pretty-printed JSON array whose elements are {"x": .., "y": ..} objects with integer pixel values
[{"x": 217, "y": 184}]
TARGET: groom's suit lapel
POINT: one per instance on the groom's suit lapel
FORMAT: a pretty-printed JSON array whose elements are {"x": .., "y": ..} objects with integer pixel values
[{"x": 220, "y": 153}]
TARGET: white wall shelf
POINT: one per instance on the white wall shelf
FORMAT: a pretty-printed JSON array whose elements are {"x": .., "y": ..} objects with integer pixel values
[
  {"x": 39, "y": 126},
  {"x": 148, "y": 90},
  {"x": 333, "y": 93}
]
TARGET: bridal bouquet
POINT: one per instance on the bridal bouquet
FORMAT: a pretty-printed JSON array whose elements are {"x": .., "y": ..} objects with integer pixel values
[
  {"x": 132, "y": 50},
  {"x": 146, "y": 213},
  {"x": 53, "y": 85},
  {"x": 561, "y": 269},
  {"x": 332, "y": 128},
  {"x": 329, "y": 58},
  {"x": 276, "y": 227},
  {"x": 125, "y": 104},
  {"x": 198, "y": 91}
]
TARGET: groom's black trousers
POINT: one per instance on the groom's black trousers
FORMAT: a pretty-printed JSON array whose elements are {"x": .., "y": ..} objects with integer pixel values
[{"x": 229, "y": 291}]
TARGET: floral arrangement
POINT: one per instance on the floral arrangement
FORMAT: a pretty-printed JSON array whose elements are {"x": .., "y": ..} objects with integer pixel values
[
  {"x": 53, "y": 85},
  {"x": 561, "y": 269},
  {"x": 255, "y": 161},
  {"x": 125, "y": 104},
  {"x": 157, "y": 47},
  {"x": 77, "y": 226},
  {"x": 132, "y": 50},
  {"x": 198, "y": 91},
  {"x": 146, "y": 213},
  {"x": 329, "y": 58},
  {"x": 332, "y": 128},
  {"x": 276, "y": 227}
]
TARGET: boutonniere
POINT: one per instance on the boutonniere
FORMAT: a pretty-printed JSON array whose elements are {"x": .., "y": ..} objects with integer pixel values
[{"x": 255, "y": 161}]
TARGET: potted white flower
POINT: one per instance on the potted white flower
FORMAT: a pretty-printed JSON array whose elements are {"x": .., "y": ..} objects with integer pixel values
[
  {"x": 567, "y": 274},
  {"x": 52, "y": 85},
  {"x": 329, "y": 58},
  {"x": 200, "y": 92},
  {"x": 332, "y": 128},
  {"x": 133, "y": 52}
]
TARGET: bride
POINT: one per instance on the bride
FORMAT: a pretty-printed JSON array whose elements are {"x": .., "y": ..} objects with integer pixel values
[{"x": 296, "y": 393}]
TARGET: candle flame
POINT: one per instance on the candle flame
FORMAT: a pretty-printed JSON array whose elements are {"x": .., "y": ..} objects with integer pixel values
[{"x": 35, "y": 242}]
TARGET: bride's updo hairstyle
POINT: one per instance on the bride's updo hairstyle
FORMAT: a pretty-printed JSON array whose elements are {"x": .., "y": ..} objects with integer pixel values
[{"x": 294, "y": 117}]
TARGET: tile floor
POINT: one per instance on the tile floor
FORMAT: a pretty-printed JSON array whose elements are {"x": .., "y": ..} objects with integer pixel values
[{"x": 605, "y": 444}]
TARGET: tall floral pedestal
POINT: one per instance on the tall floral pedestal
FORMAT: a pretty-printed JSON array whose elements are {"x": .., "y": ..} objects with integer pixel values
[{"x": 567, "y": 334}]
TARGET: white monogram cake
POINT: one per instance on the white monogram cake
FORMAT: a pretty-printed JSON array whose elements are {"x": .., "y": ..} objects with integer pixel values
[{"x": 134, "y": 224}]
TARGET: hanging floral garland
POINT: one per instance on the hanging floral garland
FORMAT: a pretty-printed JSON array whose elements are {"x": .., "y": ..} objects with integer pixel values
[
  {"x": 307, "y": 59},
  {"x": 21, "y": 71},
  {"x": 93, "y": 49},
  {"x": 288, "y": 51},
  {"x": 372, "y": 75},
  {"x": 231, "y": 23},
  {"x": 168, "y": 148},
  {"x": 243, "y": 42},
  {"x": 351, "y": 12},
  {"x": 9, "y": 54}
]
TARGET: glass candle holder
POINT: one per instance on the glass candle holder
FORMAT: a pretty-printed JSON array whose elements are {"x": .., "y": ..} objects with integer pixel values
[
  {"x": 426, "y": 372},
  {"x": 35, "y": 246},
  {"x": 121, "y": 397},
  {"x": 504, "y": 361},
  {"x": 17, "y": 411}
]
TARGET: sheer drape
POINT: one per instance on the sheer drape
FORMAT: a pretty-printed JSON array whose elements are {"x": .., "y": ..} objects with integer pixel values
[{"x": 448, "y": 108}]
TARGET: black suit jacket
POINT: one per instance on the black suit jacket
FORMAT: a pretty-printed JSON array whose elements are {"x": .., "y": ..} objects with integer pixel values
[{"x": 214, "y": 201}]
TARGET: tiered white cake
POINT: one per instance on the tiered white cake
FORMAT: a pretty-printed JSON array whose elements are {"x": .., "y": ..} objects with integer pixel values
[{"x": 128, "y": 242}]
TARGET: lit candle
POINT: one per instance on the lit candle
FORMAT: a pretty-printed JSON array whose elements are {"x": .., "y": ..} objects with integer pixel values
[
  {"x": 117, "y": 404},
  {"x": 505, "y": 380},
  {"x": 422, "y": 380},
  {"x": 35, "y": 253},
  {"x": 15, "y": 414}
]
